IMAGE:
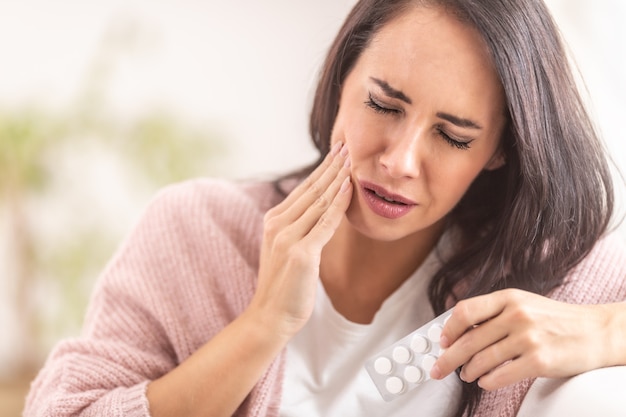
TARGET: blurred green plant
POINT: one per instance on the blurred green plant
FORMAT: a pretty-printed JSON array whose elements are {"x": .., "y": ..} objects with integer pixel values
[
  {"x": 24, "y": 138},
  {"x": 158, "y": 146}
]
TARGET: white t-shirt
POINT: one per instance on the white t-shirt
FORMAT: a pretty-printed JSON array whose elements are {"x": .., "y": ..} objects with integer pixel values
[{"x": 324, "y": 373}]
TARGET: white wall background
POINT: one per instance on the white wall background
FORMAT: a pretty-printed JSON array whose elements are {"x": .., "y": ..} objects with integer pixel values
[{"x": 246, "y": 68}]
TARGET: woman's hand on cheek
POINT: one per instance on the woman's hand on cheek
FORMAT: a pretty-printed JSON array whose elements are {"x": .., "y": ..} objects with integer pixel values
[
  {"x": 295, "y": 231},
  {"x": 509, "y": 335}
]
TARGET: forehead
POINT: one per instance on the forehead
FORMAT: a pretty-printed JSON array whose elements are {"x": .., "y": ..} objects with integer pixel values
[
  {"x": 431, "y": 26},
  {"x": 429, "y": 50}
]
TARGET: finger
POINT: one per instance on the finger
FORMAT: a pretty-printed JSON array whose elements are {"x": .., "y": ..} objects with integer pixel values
[
  {"x": 469, "y": 313},
  {"x": 329, "y": 221},
  {"x": 508, "y": 373},
  {"x": 490, "y": 358},
  {"x": 315, "y": 190},
  {"x": 473, "y": 341},
  {"x": 309, "y": 183},
  {"x": 327, "y": 208}
]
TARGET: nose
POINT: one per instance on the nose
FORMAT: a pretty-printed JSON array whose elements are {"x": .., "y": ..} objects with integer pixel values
[{"x": 401, "y": 157}]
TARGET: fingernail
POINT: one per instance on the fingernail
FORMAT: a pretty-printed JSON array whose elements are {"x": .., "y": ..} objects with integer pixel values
[
  {"x": 462, "y": 376},
  {"x": 435, "y": 372},
  {"x": 443, "y": 342},
  {"x": 345, "y": 185},
  {"x": 344, "y": 151},
  {"x": 347, "y": 163},
  {"x": 336, "y": 148}
]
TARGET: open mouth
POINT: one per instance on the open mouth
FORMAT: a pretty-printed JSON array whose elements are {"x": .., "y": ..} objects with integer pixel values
[
  {"x": 385, "y": 203},
  {"x": 385, "y": 195},
  {"x": 387, "y": 199}
]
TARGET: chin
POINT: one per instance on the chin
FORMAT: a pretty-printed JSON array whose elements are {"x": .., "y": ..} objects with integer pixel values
[{"x": 386, "y": 230}]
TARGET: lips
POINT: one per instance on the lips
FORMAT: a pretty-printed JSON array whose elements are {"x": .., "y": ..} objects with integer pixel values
[{"x": 384, "y": 203}]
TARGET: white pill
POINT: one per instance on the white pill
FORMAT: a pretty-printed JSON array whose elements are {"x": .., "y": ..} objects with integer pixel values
[
  {"x": 420, "y": 344},
  {"x": 427, "y": 363},
  {"x": 401, "y": 354},
  {"x": 413, "y": 374},
  {"x": 434, "y": 333},
  {"x": 394, "y": 385},
  {"x": 382, "y": 365}
]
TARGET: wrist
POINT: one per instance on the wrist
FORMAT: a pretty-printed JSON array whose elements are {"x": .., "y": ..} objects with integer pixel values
[
  {"x": 614, "y": 333},
  {"x": 266, "y": 324}
]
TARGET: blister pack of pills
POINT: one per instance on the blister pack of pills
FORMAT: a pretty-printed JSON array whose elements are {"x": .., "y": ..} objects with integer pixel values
[{"x": 406, "y": 364}]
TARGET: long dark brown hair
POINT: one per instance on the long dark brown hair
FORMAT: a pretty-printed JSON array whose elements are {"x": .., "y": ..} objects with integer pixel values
[{"x": 528, "y": 223}]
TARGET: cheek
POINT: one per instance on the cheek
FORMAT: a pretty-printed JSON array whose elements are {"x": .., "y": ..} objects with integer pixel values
[
  {"x": 451, "y": 179},
  {"x": 357, "y": 132},
  {"x": 360, "y": 144}
]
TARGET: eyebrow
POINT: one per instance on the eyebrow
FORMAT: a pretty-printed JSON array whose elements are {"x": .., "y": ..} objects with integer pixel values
[
  {"x": 390, "y": 91},
  {"x": 455, "y": 120},
  {"x": 459, "y": 121}
]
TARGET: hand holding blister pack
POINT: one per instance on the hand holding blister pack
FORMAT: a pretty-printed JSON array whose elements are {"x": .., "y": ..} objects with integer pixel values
[{"x": 406, "y": 364}]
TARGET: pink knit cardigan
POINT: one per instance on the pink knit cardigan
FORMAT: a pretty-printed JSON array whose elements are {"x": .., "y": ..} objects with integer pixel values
[{"x": 188, "y": 269}]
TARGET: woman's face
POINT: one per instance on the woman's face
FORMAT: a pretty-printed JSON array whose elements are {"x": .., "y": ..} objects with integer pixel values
[{"x": 421, "y": 114}]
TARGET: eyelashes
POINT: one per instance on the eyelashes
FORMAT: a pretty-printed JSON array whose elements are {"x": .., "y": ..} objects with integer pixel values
[
  {"x": 453, "y": 142},
  {"x": 380, "y": 108}
]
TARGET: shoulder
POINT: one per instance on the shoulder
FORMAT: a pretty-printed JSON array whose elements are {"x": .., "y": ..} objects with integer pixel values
[
  {"x": 195, "y": 242},
  {"x": 203, "y": 221},
  {"x": 206, "y": 204},
  {"x": 203, "y": 214},
  {"x": 600, "y": 277},
  {"x": 220, "y": 197},
  {"x": 608, "y": 256}
]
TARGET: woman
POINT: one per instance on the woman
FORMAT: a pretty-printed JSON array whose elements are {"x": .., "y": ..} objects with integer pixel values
[{"x": 456, "y": 159}]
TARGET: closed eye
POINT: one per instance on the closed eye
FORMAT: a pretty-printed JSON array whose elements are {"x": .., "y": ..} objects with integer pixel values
[
  {"x": 378, "y": 107},
  {"x": 459, "y": 144}
]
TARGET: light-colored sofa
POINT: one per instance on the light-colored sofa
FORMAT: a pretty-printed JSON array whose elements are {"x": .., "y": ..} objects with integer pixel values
[{"x": 601, "y": 392}]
